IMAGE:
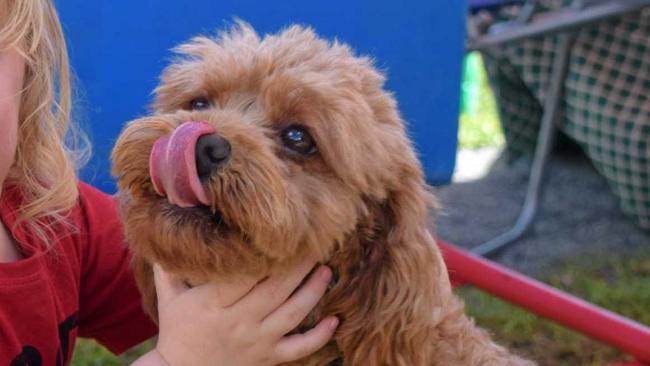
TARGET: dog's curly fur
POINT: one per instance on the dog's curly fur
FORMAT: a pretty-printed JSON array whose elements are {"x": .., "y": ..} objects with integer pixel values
[{"x": 360, "y": 204}]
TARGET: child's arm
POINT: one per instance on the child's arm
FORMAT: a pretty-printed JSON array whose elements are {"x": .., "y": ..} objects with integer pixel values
[
  {"x": 239, "y": 325},
  {"x": 110, "y": 308}
]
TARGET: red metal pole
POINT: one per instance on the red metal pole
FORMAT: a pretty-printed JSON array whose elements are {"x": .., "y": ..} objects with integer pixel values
[{"x": 591, "y": 320}]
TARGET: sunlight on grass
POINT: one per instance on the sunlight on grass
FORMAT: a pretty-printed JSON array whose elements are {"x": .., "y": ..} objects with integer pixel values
[{"x": 479, "y": 124}]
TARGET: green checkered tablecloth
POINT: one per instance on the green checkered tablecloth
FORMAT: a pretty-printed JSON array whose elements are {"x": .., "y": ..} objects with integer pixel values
[{"x": 606, "y": 105}]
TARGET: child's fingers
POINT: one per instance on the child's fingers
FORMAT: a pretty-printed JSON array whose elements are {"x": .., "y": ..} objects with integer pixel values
[
  {"x": 297, "y": 346},
  {"x": 272, "y": 292},
  {"x": 167, "y": 286},
  {"x": 296, "y": 308}
]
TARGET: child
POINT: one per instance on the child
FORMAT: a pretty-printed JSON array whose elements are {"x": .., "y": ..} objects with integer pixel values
[{"x": 64, "y": 268}]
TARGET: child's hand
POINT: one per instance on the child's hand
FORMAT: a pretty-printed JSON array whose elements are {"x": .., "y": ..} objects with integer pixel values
[{"x": 241, "y": 324}]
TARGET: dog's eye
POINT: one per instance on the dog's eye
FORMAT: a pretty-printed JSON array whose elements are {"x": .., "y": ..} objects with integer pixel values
[
  {"x": 199, "y": 104},
  {"x": 299, "y": 140}
]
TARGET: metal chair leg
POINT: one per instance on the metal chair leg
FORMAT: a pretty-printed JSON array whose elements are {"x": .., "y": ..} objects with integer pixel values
[{"x": 543, "y": 149}]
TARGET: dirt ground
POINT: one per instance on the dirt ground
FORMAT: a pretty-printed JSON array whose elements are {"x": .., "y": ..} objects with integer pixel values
[{"x": 579, "y": 219}]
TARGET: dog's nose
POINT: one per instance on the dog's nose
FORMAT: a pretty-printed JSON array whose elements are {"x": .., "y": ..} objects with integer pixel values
[{"x": 212, "y": 152}]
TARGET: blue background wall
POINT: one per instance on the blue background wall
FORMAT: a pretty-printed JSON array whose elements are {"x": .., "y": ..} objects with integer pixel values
[{"x": 119, "y": 47}]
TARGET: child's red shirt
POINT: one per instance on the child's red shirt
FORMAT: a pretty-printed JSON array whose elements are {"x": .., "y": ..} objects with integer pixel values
[{"x": 82, "y": 286}]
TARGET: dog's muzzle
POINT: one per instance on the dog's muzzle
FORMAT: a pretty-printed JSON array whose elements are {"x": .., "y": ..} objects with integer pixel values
[
  {"x": 212, "y": 152},
  {"x": 180, "y": 161}
]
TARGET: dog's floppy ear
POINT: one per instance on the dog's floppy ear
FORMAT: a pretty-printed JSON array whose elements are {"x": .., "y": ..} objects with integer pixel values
[
  {"x": 394, "y": 280},
  {"x": 143, "y": 273}
]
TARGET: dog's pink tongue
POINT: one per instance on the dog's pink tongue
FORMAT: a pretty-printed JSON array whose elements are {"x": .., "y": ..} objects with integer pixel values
[{"x": 172, "y": 165}]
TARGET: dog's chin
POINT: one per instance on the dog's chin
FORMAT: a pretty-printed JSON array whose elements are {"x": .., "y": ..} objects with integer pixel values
[{"x": 199, "y": 216}]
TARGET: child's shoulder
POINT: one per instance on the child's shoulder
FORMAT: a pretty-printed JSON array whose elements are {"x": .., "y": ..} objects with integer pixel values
[
  {"x": 92, "y": 197},
  {"x": 97, "y": 211},
  {"x": 94, "y": 216}
]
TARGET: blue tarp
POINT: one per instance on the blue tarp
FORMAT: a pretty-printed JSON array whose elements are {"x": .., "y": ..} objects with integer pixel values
[{"x": 119, "y": 47}]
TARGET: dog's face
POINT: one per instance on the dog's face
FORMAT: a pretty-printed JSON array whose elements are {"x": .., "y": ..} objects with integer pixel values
[{"x": 280, "y": 148}]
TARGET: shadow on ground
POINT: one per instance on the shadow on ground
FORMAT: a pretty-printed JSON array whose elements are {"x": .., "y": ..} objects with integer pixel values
[{"x": 579, "y": 219}]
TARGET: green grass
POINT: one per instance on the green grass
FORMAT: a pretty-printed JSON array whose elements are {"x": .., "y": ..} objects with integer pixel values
[
  {"x": 619, "y": 285},
  {"x": 477, "y": 132},
  {"x": 88, "y": 353},
  {"x": 479, "y": 124}
]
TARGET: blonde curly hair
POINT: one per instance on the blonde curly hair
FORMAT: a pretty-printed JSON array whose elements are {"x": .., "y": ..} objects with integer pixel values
[{"x": 49, "y": 148}]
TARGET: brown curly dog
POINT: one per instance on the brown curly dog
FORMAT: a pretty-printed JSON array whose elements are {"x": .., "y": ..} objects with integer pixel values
[{"x": 262, "y": 151}]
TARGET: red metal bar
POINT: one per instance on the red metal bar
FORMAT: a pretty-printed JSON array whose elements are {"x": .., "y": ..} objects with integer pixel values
[{"x": 591, "y": 320}]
